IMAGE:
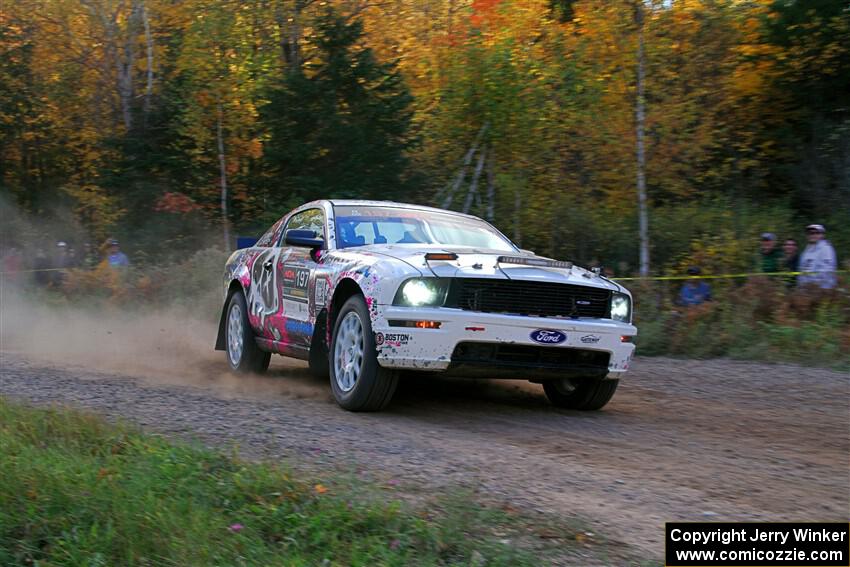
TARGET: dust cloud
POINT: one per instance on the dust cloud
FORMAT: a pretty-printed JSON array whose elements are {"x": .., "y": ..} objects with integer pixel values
[
  {"x": 169, "y": 346},
  {"x": 168, "y": 341}
]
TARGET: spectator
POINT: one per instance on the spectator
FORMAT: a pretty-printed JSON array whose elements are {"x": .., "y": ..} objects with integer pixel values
[
  {"x": 818, "y": 260},
  {"x": 771, "y": 256},
  {"x": 694, "y": 291},
  {"x": 62, "y": 258},
  {"x": 61, "y": 262},
  {"x": 790, "y": 255},
  {"x": 790, "y": 260},
  {"x": 115, "y": 258}
]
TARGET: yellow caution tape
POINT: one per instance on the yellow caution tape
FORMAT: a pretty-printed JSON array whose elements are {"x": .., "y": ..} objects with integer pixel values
[
  {"x": 724, "y": 276},
  {"x": 38, "y": 270}
]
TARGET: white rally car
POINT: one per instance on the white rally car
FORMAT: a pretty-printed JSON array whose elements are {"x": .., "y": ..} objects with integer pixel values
[{"x": 365, "y": 289}]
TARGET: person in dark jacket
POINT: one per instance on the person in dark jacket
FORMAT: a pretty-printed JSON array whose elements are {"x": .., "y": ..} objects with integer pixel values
[
  {"x": 770, "y": 256},
  {"x": 790, "y": 260},
  {"x": 790, "y": 255},
  {"x": 41, "y": 269}
]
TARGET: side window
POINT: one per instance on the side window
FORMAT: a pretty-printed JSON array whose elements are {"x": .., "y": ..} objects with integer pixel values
[
  {"x": 311, "y": 219},
  {"x": 271, "y": 235}
]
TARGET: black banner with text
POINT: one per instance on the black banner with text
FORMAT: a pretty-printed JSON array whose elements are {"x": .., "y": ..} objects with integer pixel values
[{"x": 802, "y": 544}]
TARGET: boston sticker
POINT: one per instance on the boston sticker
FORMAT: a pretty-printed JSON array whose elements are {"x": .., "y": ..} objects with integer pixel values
[{"x": 548, "y": 337}]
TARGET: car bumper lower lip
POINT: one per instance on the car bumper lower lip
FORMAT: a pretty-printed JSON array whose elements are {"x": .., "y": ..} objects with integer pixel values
[{"x": 434, "y": 349}]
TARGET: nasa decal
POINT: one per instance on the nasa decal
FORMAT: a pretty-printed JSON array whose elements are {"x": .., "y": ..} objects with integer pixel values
[{"x": 548, "y": 336}]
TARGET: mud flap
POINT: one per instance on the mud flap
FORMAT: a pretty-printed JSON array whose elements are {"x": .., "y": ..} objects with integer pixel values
[{"x": 221, "y": 341}]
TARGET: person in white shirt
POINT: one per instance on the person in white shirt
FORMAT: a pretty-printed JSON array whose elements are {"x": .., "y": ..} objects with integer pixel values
[{"x": 818, "y": 260}]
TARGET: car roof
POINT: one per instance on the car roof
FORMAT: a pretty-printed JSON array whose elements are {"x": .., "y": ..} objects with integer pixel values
[{"x": 367, "y": 203}]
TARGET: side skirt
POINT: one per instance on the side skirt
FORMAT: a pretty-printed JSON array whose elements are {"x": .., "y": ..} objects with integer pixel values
[{"x": 293, "y": 351}]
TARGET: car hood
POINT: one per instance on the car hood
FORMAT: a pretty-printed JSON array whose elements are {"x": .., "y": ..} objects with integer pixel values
[{"x": 482, "y": 263}]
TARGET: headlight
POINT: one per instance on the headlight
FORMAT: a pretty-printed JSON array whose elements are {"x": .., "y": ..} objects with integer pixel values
[
  {"x": 621, "y": 308},
  {"x": 421, "y": 292}
]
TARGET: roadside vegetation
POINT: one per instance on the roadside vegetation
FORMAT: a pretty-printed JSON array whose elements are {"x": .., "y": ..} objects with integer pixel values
[
  {"x": 79, "y": 491},
  {"x": 759, "y": 319}
]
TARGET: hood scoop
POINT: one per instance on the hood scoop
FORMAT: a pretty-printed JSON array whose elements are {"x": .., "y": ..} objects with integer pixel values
[{"x": 535, "y": 261}]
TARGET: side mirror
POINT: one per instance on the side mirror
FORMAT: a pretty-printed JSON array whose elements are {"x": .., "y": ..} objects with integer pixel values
[
  {"x": 303, "y": 238},
  {"x": 245, "y": 242}
]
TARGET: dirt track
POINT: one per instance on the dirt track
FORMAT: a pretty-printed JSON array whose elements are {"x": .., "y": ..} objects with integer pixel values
[{"x": 682, "y": 440}]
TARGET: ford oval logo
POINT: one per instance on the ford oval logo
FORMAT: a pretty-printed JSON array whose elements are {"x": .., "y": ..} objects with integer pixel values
[{"x": 548, "y": 337}]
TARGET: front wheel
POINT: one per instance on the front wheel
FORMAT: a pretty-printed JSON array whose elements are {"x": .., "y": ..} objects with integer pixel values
[
  {"x": 358, "y": 382},
  {"x": 243, "y": 354},
  {"x": 580, "y": 394}
]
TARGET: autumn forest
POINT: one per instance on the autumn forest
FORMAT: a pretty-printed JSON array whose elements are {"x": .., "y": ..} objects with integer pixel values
[{"x": 580, "y": 128}]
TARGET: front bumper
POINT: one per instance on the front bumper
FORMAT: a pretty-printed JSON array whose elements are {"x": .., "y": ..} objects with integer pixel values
[{"x": 433, "y": 349}]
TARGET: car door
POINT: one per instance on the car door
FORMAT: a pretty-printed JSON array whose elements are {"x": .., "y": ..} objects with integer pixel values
[
  {"x": 297, "y": 272},
  {"x": 263, "y": 299}
]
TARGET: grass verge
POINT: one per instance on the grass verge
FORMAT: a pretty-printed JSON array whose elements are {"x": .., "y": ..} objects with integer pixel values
[{"x": 79, "y": 491}]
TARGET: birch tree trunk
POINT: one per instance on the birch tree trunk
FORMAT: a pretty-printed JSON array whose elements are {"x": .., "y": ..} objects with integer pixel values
[
  {"x": 222, "y": 164},
  {"x": 491, "y": 188},
  {"x": 149, "y": 70},
  {"x": 640, "y": 123},
  {"x": 125, "y": 66}
]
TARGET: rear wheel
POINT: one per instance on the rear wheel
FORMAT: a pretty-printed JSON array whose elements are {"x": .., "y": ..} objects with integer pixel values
[
  {"x": 243, "y": 354},
  {"x": 358, "y": 382},
  {"x": 580, "y": 394}
]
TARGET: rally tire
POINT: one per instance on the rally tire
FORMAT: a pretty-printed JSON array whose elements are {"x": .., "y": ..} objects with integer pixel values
[
  {"x": 586, "y": 395},
  {"x": 243, "y": 354},
  {"x": 358, "y": 382}
]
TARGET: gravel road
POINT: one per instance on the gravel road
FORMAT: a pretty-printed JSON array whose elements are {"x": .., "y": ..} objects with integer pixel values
[{"x": 682, "y": 440}]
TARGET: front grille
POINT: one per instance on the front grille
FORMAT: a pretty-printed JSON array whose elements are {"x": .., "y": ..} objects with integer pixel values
[
  {"x": 529, "y": 298},
  {"x": 529, "y": 356}
]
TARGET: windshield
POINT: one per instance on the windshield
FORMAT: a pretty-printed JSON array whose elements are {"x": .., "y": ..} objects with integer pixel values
[{"x": 361, "y": 226}]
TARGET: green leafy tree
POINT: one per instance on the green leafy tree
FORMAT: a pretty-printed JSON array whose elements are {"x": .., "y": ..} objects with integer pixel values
[{"x": 339, "y": 126}]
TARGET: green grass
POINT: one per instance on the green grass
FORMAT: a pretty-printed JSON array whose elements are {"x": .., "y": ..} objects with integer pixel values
[{"x": 76, "y": 490}]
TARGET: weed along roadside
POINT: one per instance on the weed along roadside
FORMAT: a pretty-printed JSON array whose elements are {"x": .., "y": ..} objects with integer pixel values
[{"x": 78, "y": 490}]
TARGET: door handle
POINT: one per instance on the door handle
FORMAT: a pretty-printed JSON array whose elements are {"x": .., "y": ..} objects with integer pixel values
[{"x": 267, "y": 265}]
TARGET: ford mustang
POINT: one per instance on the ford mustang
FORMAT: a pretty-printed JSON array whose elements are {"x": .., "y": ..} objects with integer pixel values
[{"x": 364, "y": 290}]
